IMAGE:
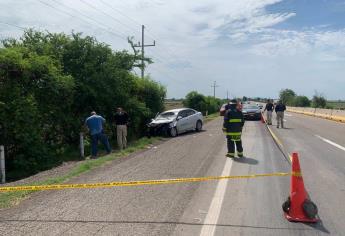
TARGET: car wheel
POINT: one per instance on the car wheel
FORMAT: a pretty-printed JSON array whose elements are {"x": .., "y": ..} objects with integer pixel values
[
  {"x": 173, "y": 132},
  {"x": 198, "y": 126}
]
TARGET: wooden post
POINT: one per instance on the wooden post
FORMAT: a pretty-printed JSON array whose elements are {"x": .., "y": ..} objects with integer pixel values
[
  {"x": 2, "y": 164},
  {"x": 81, "y": 145}
]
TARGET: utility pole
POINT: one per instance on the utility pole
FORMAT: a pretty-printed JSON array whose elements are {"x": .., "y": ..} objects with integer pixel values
[
  {"x": 142, "y": 46},
  {"x": 227, "y": 94},
  {"x": 214, "y": 88}
]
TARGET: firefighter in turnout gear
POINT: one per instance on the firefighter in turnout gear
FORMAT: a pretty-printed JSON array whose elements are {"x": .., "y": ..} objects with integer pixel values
[{"x": 232, "y": 127}]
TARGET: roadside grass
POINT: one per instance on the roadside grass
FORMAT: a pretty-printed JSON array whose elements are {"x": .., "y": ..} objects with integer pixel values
[
  {"x": 336, "y": 104},
  {"x": 211, "y": 117},
  {"x": 169, "y": 105},
  {"x": 8, "y": 199}
]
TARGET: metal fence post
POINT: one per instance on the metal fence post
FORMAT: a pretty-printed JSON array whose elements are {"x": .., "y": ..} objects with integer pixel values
[
  {"x": 81, "y": 138},
  {"x": 2, "y": 164}
]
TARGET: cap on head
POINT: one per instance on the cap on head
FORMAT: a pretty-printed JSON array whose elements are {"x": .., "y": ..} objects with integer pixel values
[{"x": 93, "y": 113}]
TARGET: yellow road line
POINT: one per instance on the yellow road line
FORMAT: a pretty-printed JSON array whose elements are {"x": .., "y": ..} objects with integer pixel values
[
  {"x": 134, "y": 183},
  {"x": 275, "y": 137}
]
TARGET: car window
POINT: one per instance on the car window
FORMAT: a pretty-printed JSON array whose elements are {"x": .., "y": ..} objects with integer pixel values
[
  {"x": 190, "y": 112},
  {"x": 183, "y": 113},
  {"x": 166, "y": 115}
]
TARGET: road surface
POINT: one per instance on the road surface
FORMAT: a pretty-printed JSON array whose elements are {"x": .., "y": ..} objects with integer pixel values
[{"x": 227, "y": 207}]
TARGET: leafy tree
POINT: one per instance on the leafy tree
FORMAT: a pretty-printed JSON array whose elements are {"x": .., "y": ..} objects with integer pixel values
[
  {"x": 212, "y": 104},
  {"x": 301, "y": 101},
  {"x": 35, "y": 96},
  {"x": 287, "y": 96},
  {"x": 196, "y": 101},
  {"x": 319, "y": 101},
  {"x": 50, "y": 82}
]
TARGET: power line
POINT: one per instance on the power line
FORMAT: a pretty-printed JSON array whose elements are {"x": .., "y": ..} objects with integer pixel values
[
  {"x": 10, "y": 24},
  {"x": 88, "y": 17},
  {"x": 121, "y": 13},
  {"x": 103, "y": 12},
  {"x": 136, "y": 22},
  {"x": 69, "y": 14},
  {"x": 105, "y": 27}
]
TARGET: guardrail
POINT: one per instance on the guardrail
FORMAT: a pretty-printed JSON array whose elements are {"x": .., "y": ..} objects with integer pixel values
[{"x": 330, "y": 114}]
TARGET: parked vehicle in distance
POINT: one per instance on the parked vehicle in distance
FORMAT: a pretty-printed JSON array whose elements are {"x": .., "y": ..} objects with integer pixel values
[
  {"x": 259, "y": 105},
  {"x": 176, "y": 121},
  {"x": 251, "y": 111}
]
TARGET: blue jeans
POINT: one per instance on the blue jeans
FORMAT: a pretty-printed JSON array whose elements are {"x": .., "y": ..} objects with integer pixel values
[{"x": 94, "y": 143}]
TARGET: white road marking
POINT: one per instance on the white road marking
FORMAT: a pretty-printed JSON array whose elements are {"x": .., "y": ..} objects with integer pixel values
[
  {"x": 285, "y": 120},
  {"x": 288, "y": 115},
  {"x": 209, "y": 227},
  {"x": 332, "y": 143}
]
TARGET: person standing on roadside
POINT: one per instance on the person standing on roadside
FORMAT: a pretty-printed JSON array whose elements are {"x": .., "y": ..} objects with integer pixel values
[
  {"x": 95, "y": 123},
  {"x": 121, "y": 121},
  {"x": 232, "y": 127},
  {"x": 280, "y": 108},
  {"x": 269, "y": 108}
]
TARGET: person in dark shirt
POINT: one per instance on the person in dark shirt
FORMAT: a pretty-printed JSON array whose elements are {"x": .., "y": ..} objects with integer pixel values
[
  {"x": 269, "y": 108},
  {"x": 121, "y": 121},
  {"x": 232, "y": 127},
  {"x": 280, "y": 108},
  {"x": 94, "y": 123}
]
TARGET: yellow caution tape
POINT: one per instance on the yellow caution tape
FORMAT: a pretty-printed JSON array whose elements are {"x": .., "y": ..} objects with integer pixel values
[
  {"x": 296, "y": 174},
  {"x": 133, "y": 183}
]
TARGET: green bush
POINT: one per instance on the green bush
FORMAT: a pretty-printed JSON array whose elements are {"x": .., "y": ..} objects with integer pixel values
[
  {"x": 301, "y": 101},
  {"x": 49, "y": 84},
  {"x": 202, "y": 103}
]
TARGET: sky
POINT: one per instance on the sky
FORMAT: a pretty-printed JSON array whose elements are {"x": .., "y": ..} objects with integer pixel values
[{"x": 251, "y": 48}]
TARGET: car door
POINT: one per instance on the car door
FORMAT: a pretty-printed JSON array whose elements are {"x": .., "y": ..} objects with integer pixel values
[
  {"x": 182, "y": 123},
  {"x": 191, "y": 119}
]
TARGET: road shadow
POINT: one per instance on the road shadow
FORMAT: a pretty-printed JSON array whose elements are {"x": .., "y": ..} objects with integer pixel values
[
  {"x": 318, "y": 226},
  {"x": 155, "y": 222},
  {"x": 246, "y": 160}
]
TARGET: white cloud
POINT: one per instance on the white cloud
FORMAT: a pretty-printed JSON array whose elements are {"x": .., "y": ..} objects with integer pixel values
[{"x": 198, "y": 41}]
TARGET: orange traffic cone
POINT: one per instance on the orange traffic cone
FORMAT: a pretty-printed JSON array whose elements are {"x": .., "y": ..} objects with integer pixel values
[{"x": 298, "y": 207}]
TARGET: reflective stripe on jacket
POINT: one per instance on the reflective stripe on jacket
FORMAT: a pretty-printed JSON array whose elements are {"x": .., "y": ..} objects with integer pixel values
[{"x": 233, "y": 123}]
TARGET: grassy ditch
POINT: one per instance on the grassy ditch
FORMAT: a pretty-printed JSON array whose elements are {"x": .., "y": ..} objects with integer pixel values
[
  {"x": 211, "y": 117},
  {"x": 8, "y": 199}
]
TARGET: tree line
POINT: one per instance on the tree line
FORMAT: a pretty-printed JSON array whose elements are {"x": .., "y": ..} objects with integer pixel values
[
  {"x": 290, "y": 98},
  {"x": 49, "y": 84},
  {"x": 202, "y": 103}
]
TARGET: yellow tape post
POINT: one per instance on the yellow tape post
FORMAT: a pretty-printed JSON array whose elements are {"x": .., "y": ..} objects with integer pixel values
[{"x": 133, "y": 183}]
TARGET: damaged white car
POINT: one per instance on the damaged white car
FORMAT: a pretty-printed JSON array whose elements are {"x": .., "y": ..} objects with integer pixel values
[{"x": 174, "y": 122}]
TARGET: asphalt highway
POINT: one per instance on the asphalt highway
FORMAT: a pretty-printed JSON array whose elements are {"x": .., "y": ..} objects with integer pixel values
[{"x": 226, "y": 207}]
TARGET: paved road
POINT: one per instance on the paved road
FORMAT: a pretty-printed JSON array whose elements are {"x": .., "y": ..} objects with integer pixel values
[
  {"x": 227, "y": 207},
  {"x": 321, "y": 146}
]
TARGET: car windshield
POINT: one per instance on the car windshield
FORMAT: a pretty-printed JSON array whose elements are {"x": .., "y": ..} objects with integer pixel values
[
  {"x": 166, "y": 115},
  {"x": 251, "y": 107}
]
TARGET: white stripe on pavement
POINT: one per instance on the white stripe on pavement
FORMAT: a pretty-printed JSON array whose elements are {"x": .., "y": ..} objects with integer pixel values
[
  {"x": 332, "y": 143},
  {"x": 288, "y": 115},
  {"x": 209, "y": 227}
]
